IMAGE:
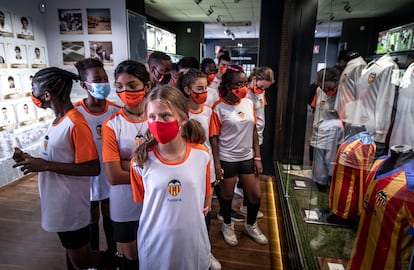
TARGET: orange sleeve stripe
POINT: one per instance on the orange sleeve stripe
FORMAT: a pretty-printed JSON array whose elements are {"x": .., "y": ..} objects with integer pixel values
[
  {"x": 82, "y": 139},
  {"x": 136, "y": 184},
  {"x": 313, "y": 104},
  {"x": 215, "y": 125},
  {"x": 209, "y": 190},
  {"x": 254, "y": 115},
  {"x": 110, "y": 147}
]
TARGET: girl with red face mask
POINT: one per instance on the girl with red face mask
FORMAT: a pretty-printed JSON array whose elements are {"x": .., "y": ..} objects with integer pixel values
[
  {"x": 170, "y": 176},
  {"x": 120, "y": 136},
  {"x": 236, "y": 152},
  {"x": 193, "y": 84}
]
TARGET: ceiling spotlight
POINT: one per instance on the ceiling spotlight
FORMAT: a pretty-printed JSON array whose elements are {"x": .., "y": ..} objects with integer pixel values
[
  {"x": 348, "y": 7},
  {"x": 227, "y": 32},
  {"x": 232, "y": 36},
  {"x": 210, "y": 11},
  {"x": 198, "y": 1},
  {"x": 218, "y": 20}
]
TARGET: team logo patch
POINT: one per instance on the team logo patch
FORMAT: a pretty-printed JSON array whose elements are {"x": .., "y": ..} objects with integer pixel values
[
  {"x": 380, "y": 199},
  {"x": 45, "y": 142},
  {"x": 99, "y": 130},
  {"x": 344, "y": 77},
  {"x": 241, "y": 115},
  {"x": 138, "y": 139},
  {"x": 371, "y": 77},
  {"x": 174, "y": 187}
]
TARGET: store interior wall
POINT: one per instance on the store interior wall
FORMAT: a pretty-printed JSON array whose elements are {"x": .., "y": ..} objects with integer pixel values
[
  {"x": 330, "y": 44},
  {"x": 189, "y": 37}
]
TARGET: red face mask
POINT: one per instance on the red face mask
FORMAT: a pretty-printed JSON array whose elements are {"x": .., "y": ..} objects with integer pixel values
[
  {"x": 131, "y": 98},
  {"x": 240, "y": 92},
  {"x": 210, "y": 77},
  {"x": 257, "y": 90},
  {"x": 164, "y": 132},
  {"x": 199, "y": 98},
  {"x": 223, "y": 70},
  {"x": 36, "y": 101}
]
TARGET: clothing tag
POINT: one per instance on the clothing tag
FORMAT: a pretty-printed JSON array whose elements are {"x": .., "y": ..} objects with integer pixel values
[{"x": 396, "y": 76}]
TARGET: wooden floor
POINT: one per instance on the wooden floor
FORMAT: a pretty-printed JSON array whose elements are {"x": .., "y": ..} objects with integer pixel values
[{"x": 25, "y": 245}]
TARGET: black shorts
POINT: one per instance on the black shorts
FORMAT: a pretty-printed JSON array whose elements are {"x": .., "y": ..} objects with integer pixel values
[
  {"x": 232, "y": 169},
  {"x": 125, "y": 232},
  {"x": 74, "y": 239}
]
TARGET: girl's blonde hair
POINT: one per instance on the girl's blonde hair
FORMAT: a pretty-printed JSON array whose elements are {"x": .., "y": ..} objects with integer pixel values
[
  {"x": 262, "y": 73},
  {"x": 191, "y": 131}
]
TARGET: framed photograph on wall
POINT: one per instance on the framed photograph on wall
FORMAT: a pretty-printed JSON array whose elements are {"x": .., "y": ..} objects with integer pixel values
[
  {"x": 99, "y": 21},
  {"x": 10, "y": 86},
  {"x": 17, "y": 56},
  {"x": 70, "y": 21},
  {"x": 7, "y": 117},
  {"x": 26, "y": 79},
  {"x": 37, "y": 56},
  {"x": 102, "y": 50},
  {"x": 23, "y": 27},
  {"x": 5, "y": 24},
  {"x": 3, "y": 63},
  {"x": 72, "y": 51},
  {"x": 25, "y": 113}
]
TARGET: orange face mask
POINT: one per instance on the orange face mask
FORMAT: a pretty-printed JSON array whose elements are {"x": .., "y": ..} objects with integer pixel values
[
  {"x": 199, "y": 98},
  {"x": 210, "y": 77},
  {"x": 132, "y": 98},
  {"x": 257, "y": 90},
  {"x": 240, "y": 92},
  {"x": 36, "y": 101},
  {"x": 223, "y": 70}
]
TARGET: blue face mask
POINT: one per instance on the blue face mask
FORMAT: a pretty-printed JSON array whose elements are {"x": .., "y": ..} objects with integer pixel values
[{"x": 100, "y": 90}]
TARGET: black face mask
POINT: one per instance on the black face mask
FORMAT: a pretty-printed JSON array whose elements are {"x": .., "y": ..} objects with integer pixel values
[{"x": 164, "y": 79}]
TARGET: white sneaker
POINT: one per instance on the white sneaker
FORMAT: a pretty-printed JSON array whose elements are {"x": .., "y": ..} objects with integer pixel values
[
  {"x": 243, "y": 210},
  {"x": 229, "y": 235},
  {"x": 214, "y": 263},
  {"x": 254, "y": 232}
]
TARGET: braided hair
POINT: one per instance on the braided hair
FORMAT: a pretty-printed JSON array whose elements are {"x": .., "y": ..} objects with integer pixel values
[
  {"x": 56, "y": 81},
  {"x": 227, "y": 78}
]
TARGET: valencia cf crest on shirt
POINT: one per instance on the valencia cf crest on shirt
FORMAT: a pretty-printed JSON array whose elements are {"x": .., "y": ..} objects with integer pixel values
[
  {"x": 98, "y": 130},
  {"x": 241, "y": 115},
  {"x": 138, "y": 139},
  {"x": 344, "y": 77},
  {"x": 381, "y": 199},
  {"x": 371, "y": 77},
  {"x": 45, "y": 142},
  {"x": 174, "y": 187}
]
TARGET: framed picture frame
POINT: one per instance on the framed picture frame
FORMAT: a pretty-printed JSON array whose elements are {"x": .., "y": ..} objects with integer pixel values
[
  {"x": 72, "y": 51},
  {"x": 99, "y": 21},
  {"x": 24, "y": 27},
  {"x": 102, "y": 50},
  {"x": 70, "y": 21},
  {"x": 6, "y": 29},
  {"x": 17, "y": 55},
  {"x": 37, "y": 56},
  {"x": 10, "y": 86},
  {"x": 26, "y": 114},
  {"x": 7, "y": 117},
  {"x": 3, "y": 59}
]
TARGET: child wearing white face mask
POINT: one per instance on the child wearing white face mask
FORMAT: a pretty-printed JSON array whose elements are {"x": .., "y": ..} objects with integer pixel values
[{"x": 96, "y": 109}]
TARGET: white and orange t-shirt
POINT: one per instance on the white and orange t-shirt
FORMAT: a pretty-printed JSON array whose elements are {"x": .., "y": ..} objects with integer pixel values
[
  {"x": 99, "y": 184},
  {"x": 259, "y": 103},
  {"x": 64, "y": 199},
  {"x": 234, "y": 126},
  {"x": 120, "y": 138},
  {"x": 204, "y": 117},
  {"x": 172, "y": 221}
]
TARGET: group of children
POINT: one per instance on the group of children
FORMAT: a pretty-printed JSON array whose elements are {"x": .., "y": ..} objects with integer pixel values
[{"x": 151, "y": 165}]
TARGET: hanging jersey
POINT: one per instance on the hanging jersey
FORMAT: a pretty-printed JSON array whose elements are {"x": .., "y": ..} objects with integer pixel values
[
  {"x": 172, "y": 232},
  {"x": 99, "y": 184},
  {"x": 322, "y": 103},
  {"x": 384, "y": 239},
  {"x": 120, "y": 138},
  {"x": 212, "y": 95},
  {"x": 234, "y": 125},
  {"x": 347, "y": 91},
  {"x": 204, "y": 118},
  {"x": 259, "y": 103},
  {"x": 403, "y": 131},
  {"x": 327, "y": 134},
  {"x": 375, "y": 97},
  {"x": 352, "y": 162},
  {"x": 65, "y": 204}
]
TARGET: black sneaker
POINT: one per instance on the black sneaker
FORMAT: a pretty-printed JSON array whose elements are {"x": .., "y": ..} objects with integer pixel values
[{"x": 236, "y": 217}]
